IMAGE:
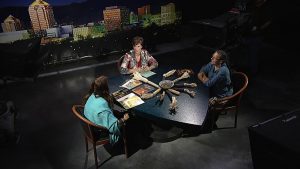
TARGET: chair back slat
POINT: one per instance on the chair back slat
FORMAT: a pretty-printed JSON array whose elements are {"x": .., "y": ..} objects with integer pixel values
[
  {"x": 240, "y": 82},
  {"x": 232, "y": 103},
  {"x": 85, "y": 126},
  {"x": 91, "y": 130}
]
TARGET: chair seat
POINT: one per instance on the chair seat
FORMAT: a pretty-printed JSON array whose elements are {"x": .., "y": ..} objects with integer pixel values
[{"x": 101, "y": 136}]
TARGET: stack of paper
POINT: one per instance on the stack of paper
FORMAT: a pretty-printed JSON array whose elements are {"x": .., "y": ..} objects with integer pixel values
[
  {"x": 143, "y": 89},
  {"x": 131, "y": 84},
  {"x": 130, "y": 100},
  {"x": 147, "y": 74}
]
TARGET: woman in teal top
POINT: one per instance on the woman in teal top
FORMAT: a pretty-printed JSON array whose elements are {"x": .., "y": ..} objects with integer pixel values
[{"x": 98, "y": 108}]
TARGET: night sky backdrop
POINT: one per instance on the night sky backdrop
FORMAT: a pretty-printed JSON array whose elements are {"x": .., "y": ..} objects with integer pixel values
[{"x": 6, "y": 3}]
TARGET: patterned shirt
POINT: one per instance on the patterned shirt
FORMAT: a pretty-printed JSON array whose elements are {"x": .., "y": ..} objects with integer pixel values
[{"x": 130, "y": 62}]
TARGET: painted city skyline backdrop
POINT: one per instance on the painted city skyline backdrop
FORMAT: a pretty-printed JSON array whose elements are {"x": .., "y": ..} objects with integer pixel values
[
  {"x": 14, "y": 3},
  {"x": 92, "y": 28},
  {"x": 91, "y": 10},
  {"x": 44, "y": 21},
  {"x": 25, "y": 3}
]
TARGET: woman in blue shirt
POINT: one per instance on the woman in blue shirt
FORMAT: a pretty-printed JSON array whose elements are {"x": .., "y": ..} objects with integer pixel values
[
  {"x": 98, "y": 108},
  {"x": 216, "y": 76}
]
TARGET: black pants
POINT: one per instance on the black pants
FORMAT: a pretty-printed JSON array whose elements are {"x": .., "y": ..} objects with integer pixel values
[{"x": 210, "y": 121}]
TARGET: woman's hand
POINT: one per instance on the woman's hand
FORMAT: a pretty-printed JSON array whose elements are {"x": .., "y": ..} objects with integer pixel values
[
  {"x": 145, "y": 69},
  {"x": 126, "y": 116},
  {"x": 133, "y": 70}
]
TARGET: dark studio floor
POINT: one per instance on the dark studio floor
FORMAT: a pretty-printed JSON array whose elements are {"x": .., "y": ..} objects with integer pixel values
[{"x": 51, "y": 137}]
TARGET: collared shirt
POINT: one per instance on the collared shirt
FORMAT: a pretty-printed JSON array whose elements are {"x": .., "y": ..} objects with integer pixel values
[
  {"x": 97, "y": 111},
  {"x": 219, "y": 80},
  {"x": 129, "y": 61}
]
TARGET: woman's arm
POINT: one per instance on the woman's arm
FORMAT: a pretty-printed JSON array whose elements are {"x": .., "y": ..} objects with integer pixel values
[
  {"x": 124, "y": 67},
  {"x": 152, "y": 63}
]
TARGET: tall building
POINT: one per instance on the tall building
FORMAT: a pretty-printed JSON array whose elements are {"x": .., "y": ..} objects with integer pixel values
[
  {"x": 144, "y": 10},
  {"x": 41, "y": 15},
  {"x": 11, "y": 24},
  {"x": 115, "y": 17},
  {"x": 168, "y": 14}
]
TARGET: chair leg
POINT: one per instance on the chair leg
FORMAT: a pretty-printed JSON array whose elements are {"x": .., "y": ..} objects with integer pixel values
[
  {"x": 86, "y": 144},
  {"x": 235, "y": 119},
  {"x": 125, "y": 141},
  {"x": 95, "y": 155}
]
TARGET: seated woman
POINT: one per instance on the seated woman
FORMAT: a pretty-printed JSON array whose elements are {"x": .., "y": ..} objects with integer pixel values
[
  {"x": 216, "y": 76},
  {"x": 98, "y": 109},
  {"x": 138, "y": 59}
]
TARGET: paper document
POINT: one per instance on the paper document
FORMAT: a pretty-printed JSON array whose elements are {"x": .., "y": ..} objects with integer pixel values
[
  {"x": 130, "y": 100},
  {"x": 131, "y": 84},
  {"x": 147, "y": 74},
  {"x": 143, "y": 89}
]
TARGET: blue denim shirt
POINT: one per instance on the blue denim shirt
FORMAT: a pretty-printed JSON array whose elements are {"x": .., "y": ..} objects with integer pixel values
[
  {"x": 97, "y": 111},
  {"x": 219, "y": 80}
]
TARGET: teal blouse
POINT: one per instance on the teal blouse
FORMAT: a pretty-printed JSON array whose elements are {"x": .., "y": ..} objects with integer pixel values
[{"x": 97, "y": 111}]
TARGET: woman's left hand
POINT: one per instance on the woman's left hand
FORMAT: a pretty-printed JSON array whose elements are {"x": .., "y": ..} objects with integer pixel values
[{"x": 145, "y": 69}]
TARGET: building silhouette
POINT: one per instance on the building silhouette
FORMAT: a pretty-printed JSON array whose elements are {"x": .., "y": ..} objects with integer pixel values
[
  {"x": 11, "y": 24},
  {"x": 115, "y": 17},
  {"x": 168, "y": 14},
  {"x": 144, "y": 10},
  {"x": 81, "y": 33},
  {"x": 41, "y": 15}
]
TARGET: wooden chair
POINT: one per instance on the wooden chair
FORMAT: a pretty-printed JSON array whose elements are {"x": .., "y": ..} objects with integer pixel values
[
  {"x": 91, "y": 132},
  {"x": 232, "y": 103}
]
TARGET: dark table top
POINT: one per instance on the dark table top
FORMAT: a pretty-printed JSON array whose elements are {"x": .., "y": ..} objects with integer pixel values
[{"x": 191, "y": 110}]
